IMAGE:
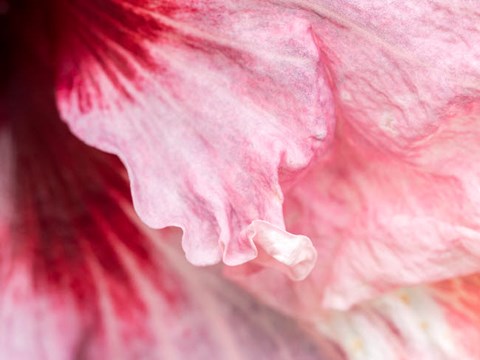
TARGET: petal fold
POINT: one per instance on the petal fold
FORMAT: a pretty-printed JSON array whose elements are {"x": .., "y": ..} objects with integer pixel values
[
  {"x": 83, "y": 278},
  {"x": 214, "y": 101},
  {"x": 294, "y": 255},
  {"x": 395, "y": 201}
]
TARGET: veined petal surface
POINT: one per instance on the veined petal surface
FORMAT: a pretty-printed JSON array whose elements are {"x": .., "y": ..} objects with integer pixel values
[
  {"x": 211, "y": 105},
  {"x": 395, "y": 202},
  {"x": 431, "y": 322},
  {"x": 83, "y": 278}
]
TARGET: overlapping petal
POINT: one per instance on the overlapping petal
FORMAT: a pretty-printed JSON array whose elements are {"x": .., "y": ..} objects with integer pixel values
[
  {"x": 206, "y": 103},
  {"x": 398, "y": 66},
  {"x": 392, "y": 222},
  {"x": 82, "y": 277},
  {"x": 213, "y": 106},
  {"x": 396, "y": 201}
]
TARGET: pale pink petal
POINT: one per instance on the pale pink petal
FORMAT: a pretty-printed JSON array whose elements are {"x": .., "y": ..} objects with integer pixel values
[
  {"x": 398, "y": 66},
  {"x": 380, "y": 221},
  {"x": 439, "y": 321},
  {"x": 292, "y": 254},
  {"x": 395, "y": 202},
  {"x": 205, "y": 103},
  {"x": 83, "y": 278}
]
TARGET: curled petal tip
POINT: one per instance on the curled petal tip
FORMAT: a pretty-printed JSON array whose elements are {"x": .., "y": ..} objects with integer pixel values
[{"x": 293, "y": 255}]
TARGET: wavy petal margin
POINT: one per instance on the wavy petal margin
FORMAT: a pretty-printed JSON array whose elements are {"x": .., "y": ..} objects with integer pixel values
[
  {"x": 205, "y": 103},
  {"x": 83, "y": 278}
]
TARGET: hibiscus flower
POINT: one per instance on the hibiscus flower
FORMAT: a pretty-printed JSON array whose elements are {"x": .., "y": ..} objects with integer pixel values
[{"x": 322, "y": 151}]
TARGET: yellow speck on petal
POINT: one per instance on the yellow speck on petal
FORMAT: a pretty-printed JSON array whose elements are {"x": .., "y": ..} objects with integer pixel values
[
  {"x": 405, "y": 298},
  {"x": 357, "y": 345},
  {"x": 424, "y": 325}
]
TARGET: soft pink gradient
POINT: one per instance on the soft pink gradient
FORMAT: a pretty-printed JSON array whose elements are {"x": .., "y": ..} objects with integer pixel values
[
  {"x": 83, "y": 278},
  {"x": 233, "y": 93},
  {"x": 325, "y": 151}
]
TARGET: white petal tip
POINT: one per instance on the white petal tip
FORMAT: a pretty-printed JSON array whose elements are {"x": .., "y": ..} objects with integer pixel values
[{"x": 294, "y": 255}]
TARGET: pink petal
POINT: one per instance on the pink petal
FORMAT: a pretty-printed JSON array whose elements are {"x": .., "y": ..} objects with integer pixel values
[
  {"x": 82, "y": 278},
  {"x": 389, "y": 222},
  {"x": 398, "y": 66},
  {"x": 205, "y": 103},
  {"x": 437, "y": 321},
  {"x": 396, "y": 201},
  {"x": 292, "y": 254},
  {"x": 178, "y": 312}
]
